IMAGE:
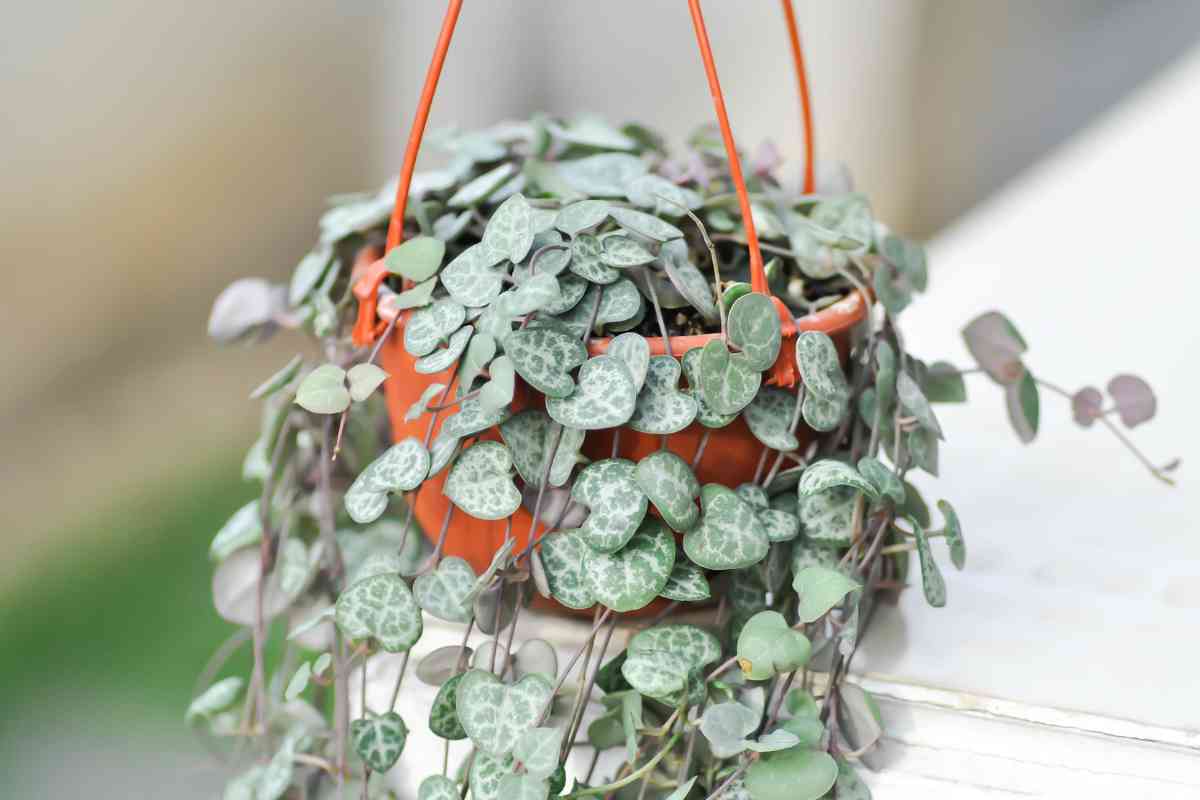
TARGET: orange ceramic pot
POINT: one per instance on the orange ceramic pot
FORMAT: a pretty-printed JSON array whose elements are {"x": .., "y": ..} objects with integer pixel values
[{"x": 730, "y": 457}]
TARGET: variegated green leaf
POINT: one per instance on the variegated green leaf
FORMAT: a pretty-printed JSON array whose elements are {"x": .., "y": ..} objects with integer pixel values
[
  {"x": 480, "y": 482},
  {"x": 446, "y": 592},
  {"x": 886, "y": 483},
  {"x": 571, "y": 289},
  {"x": 509, "y": 231},
  {"x": 729, "y": 535},
  {"x": 705, "y": 414},
  {"x": 383, "y": 608},
  {"x": 445, "y": 357},
  {"x": 729, "y": 381},
  {"x": 525, "y": 435},
  {"x": 661, "y": 407},
  {"x": 826, "y": 473},
  {"x": 544, "y": 357},
  {"x": 563, "y": 557},
  {"x": 687, "y": 583},
  {"x": 820, "y": 589},
  {"x": 442, "y": 452},
  {"x": 379, "y": 739},
  {"x": 617, "y": 505},
  {"x": 643, "y": 224},
  {"x": 622, "y": 251},
  {"x": 497, "y": 393},
  {"x": 669, "y": 483},
  {"x": 817, "y": 358},
  {"x": 532, "y": 294},
  {"x": 443, "y": 716},
  {"x": 635, "y": 352},
  {"x": 480, "y": 352},
  {"x": 954, "y": 537},
  {"x": 422, "y": 405},
  {"x": 524, "y": 787},
  {"x": 780, "y": 525},
  {"x": 472, "y": 418},
  {"x": 581, "y": 216},
  {"x": 603, "y": 175},
  {"x": 656, "y": 673},
  {"x": 215, "y": 698},
  {"x": 620, "y": 302},
  {"x": 486, "y": 774},
  {"x": 429, "y": 326},
  {"x": 479, "y": 189},
  {"x": 828, "y": 516},
  {"x": 694, "y": 645},
  {"x": 912, "y": 400},
  {"x": 586, "y": 252},
  {"x": 769, "y": 417},
  {"x": 823, "y": 414},
  {"x": 932, "y": 582},
  {"x": 496, "y": 715},
  {"x": 661, "y": 196},
  {"x": 537, "y": 751},
  {"x": 471, "y": 279},
  {"x": 688, "y": 279},
  {"x": 604, "y": 397},
  {"x": 755, "y": 328},
  {"x": 438, "y": 787},
  {"x": 401, "y": 467},
  {"x": 549, "y": 255},
  {"x": 633, "y": 576},
  {"x": 805, "y": 554}
]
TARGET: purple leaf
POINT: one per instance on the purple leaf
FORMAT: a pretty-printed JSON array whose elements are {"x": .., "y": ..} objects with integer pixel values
[
  {"x": 1087, "y": 404},
  {"x": 766, "y": 158},
  {"x": 1134, "y": 398},
  {"x": 996, "y": 346}
]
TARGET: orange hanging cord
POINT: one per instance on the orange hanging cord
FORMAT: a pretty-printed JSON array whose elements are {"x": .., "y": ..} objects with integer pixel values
[
  {"x": 366, "y": 287},
  {"x": 789, "y": 17}
]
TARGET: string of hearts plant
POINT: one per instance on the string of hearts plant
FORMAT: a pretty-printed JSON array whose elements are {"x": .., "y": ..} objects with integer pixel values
[{"x": 557, "y": 281}]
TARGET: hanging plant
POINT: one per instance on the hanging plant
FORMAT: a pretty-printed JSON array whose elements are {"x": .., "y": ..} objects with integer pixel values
[{"x": 598, "y": 395}]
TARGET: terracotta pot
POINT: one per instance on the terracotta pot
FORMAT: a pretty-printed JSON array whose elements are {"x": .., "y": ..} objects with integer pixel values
[{"x": 730, "y": 458}]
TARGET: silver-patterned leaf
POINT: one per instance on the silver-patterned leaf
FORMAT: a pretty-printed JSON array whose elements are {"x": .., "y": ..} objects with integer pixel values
[
  {"x": 932, "y": 582},
  {"x": 705, "y": 414},
  {"x": 444, "y": 358},
  {"x": 496, "y": 715},
  {"x": 656, "y": 673},
  {"x": 617, "y": 505},
  {"x": 633, "y": 576},
  {"x": 497, "y": 393},
  {"x": 817, "y": 358},
  {"x": 622, "y": 251},
  {"x": 525, "y": 435},
  {"x": 380, "y": 607},
  {"x": 696, "y": 646},
  {"x": 544, "y": 357},
  {"x": 643, "y": 224},
  {"x": 509, "y": 232},
  {"x": 563, "y": 557},
  {"x": 604, "y": 397},
  {"x": 537, "y": 751},
  {"x": 581, "y": 216},
  {"x": 215, "y": 698},
  {"x": 480, "y": 482},
  {"x": 769, "y": 417},
  {"x": 532, "y": 294},
  {"x": 886, "y": 483},
  {"x": 728, "y": 381},
  {"x": 472, "y": 418},
  {"x": 429, "y": 326},
  {"x": 442, "y": 452},
  {"x": 755, "y": 329},
  {"x": 401, "y": 468},
  {"x": 828, "y": 516},
  {"x": 661, "y": 407},
  {"x": 688, "y": 279},
  {"x": 446, "y": 591},
  {"x": 661, "y": 196},
  {"x": 669, "y": 483},
  {"x": 828, "y": 472},
  {"x": 524, "y": 787},
  {"x": 954, "y": 537},
  {"x": 586, "y": 260},
  {"x": 687, "y": 583},
  {"x": 571, "y": 289},
  {"x": 729, "y": 535},
  {"x": 479, "y": 189},
  {"x": 912, "y": 400},
  {"x": 443, "y": 714},
  {"x": 471, "y": 279},
  {"x": 603, "y": 175},
  {"x": 438, "y": 787},
  {"x": 379, "y": 739},
  {"x": 621, "y": 301},
  {"x": 486, "y": 774},
  {"x": 635, "y": 352},
  {"x": 823, "y": 414},
  {"x": 422, "y": 404}
]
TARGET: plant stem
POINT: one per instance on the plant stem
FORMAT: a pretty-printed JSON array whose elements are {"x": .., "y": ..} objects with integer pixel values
[
  {"x": 631, "y": 777},
  {"x": 658, "y": 315},
  {"x": 399, "y": 680},
  {"x": 571, "y": 664},
  {"x": 701, "y": 447},
  {"x": 725, "y": 784}
]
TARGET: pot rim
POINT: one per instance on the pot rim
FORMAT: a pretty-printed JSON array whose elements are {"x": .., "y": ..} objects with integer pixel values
[{"x": 835, "y": 318}]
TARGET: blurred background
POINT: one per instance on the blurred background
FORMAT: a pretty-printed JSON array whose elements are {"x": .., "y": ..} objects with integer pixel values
[{"x": 176, "y": 146}]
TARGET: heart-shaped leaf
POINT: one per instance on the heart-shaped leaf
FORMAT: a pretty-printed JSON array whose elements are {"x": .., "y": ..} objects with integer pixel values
[
  {"x": 686, "y": 584},
  {"x": 480, "y": 482},
  {"x": 795, "y": 774},
  {"x": 996, "y": 346},
  {"x": 706, "y": 415},
  {"x": 524, "y": 787},
  {"x": 443, "y": 358},
  {"x": 494, "y": 715},
  {"x": 442, "y": 452},
  {"x": 472, "y": 418},
  {"x": 602, "y": 175},
  {"x": 1087, "y": 405},
  {"x": 729, "y": 535},
  {"x": 401, "y": 468},
  {"x": 536, "y": 656},
  {"x": 828, "y": 516},
  {"x": 509, "y": 231},
  {"x": 780, "y": 525},
  {"x": 826, "y": 473},
  {"x": 534, "y": 293},
  {"x": 429, "y": 326},
  {"x": 823, "y": 414},
  {"x": 480, "y": 351},
  {"x": 487, "y": 773},
  {"x": 563, "y": 556},
  {"x": 525, "y": 435},
  {"x": 633, "y": 576},
  {"x": 537, "y": 751},
  {"x": 497, "y": 393},
  {"x": 581, "y": 216},
  {"x": 621, "y": 301},
  {"x": 549, "y": 255},
  {"x": 912, "y": 400},
  {"x": 694, "y": 645},
  {"x": 944, "y": 383},
  {"x": 617, "y": 506},
  {"x": 729, "y": 381},
  {"x": 643, "y": 224},
  {"x": 661, "y": 196},
  {"x": 886, "y": 483},
  {"x": 769, "y": 417},
  {"x": 544, "y": 357},
  {"x": 571, "y": 289},
  {"x": 755, "y": 328},
  {"x": 383, "y": 608},
  {"x": 446, "y": 592},
  {"x": 661, "y": 407},
  {"x": 323, "y": 391},
  {"x": 442, "y": 664},
  {"x": 417, "y": 259},
  {"x": 726, "y": 726},
  {"x": 1133, "y": 398},
  {"x": 669, "y": 483},
  {"x": 817, "y": 358},
  {"x": 954, "y": 537},
  {"x": 768, "y": 645},
  {"x": 688, "y": 280},
  {"x": 622, "y": 251},
  {"x": 438, "y": 787},
  {"x": 586, "y": 260},
  {"x": 422, "y": 404},
  {"x": 635, "y": 352},
  {"x": 379, "y": 739},
  {"x": 443, "y": 716},
  {"x": 604, "y": 397},
  {"x": 420, "y": 295},
  {"x": 820, "y": 589},
  {"x": 471, "y": 279},
  {"x": 656, "y": 673},
  {"x": 479, "y": 189},
  {"x": 932, "y": 582},
  {"x": 364, "y": 379}
]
